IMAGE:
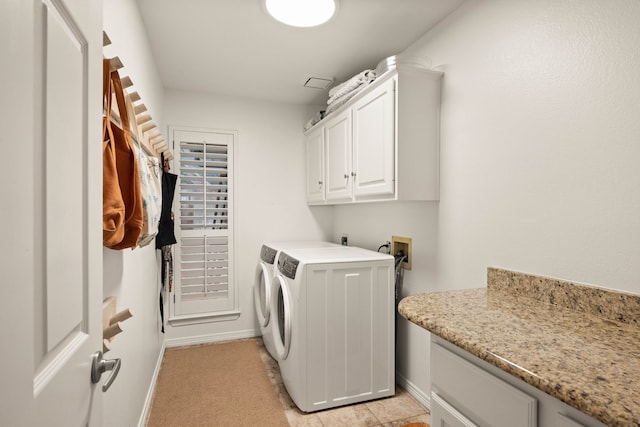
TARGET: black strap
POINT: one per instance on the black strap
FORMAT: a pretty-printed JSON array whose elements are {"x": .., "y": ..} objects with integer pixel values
[{"x": 165, "y": 234}]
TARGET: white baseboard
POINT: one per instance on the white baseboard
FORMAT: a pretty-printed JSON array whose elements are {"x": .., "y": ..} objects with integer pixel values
[
  {"x": 152, "y": 388},
  {"x": 211, "y": 338},
  {"x": 414, "y": 391}
]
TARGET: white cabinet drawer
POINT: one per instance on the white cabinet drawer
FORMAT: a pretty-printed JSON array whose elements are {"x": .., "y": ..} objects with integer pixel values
[{"x": 480, "y": 396}]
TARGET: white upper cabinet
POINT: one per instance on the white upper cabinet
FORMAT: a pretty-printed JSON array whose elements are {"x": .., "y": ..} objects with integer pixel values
[
  {"x": 314, "y": 144},
  {"x": 338, "y": 157},
  {"x": 381, "y": 145},
  {"x": 374, "y": 142}
]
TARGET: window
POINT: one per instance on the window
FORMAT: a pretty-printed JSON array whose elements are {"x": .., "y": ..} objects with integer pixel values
[{"x": 203, "y": 209}]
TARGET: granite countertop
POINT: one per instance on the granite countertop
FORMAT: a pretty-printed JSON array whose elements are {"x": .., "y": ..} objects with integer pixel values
[{"x": 577, "y": 343}]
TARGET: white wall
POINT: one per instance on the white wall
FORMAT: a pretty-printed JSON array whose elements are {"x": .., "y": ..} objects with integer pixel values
[
  {"x": 123, "y": 24},
  {"x": 269, "y": 190},
  {"x": 133, "y": 276},
  {"x": 539, "y": 154}
]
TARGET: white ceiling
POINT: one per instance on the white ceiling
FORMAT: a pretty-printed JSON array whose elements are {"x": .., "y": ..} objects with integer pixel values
[{"x": 234, "y": 47}]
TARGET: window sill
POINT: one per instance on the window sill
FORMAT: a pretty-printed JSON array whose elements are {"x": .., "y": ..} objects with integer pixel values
[{"x": 194, "y": 319}]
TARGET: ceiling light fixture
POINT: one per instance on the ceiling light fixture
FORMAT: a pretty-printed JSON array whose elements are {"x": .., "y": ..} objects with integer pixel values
[{"x": 302, "y": 13}]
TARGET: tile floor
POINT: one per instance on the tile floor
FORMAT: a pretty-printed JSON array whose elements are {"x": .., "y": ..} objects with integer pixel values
[{"x": 394, "y": 411}]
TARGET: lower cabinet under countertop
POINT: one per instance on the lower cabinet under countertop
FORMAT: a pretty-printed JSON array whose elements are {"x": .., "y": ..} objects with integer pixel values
[
  {"x": 467, "y": 391},
  {"x": 531, "y": 351}
]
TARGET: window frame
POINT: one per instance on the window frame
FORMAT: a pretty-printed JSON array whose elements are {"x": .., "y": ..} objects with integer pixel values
[{"x": 230, "y": 310}]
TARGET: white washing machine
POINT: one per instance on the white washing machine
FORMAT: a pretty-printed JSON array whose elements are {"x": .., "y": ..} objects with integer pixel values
[
  {"x": 262, "y": 284},
  {"x": 334, "y": 314}
]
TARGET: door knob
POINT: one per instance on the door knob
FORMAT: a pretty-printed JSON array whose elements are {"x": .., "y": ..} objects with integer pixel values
[{"x": 100, "y": 365}]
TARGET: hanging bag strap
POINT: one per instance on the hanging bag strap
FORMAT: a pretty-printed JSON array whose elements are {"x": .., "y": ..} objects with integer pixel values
[
  {"x": 107, "y": 89},
  {"x": 132, "y": 209},
  {"x": 113, "y": 208},
  {"x": 107, "y": 95},
  {"x": 121, "y": 103}
]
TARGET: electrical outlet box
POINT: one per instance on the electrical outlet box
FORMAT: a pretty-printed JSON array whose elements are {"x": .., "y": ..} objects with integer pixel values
[{"x": 402, "y": 244}]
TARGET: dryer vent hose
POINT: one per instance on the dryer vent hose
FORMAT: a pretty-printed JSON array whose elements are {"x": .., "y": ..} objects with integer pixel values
[{"x": 400, "y": 257}]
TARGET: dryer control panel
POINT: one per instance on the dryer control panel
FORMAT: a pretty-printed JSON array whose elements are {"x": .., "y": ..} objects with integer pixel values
[
  {"x": 267, "y": 254},
  {"x": 288, "y": 265}
]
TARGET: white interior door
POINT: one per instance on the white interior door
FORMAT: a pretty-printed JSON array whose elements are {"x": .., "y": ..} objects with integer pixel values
[{"x": 52, "y": 242}]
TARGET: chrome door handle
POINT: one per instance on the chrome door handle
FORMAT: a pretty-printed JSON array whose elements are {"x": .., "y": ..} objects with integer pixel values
[{"x": 100, "y": 365}]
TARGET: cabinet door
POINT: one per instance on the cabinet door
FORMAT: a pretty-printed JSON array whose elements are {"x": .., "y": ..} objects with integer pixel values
[
  {"x": 314, "y": 144},
  {"x": 350, "y": 315},
  {"x": 445, "y": 415},
  {"x": 374, "y": 142},
  {"x": 338, "y": 155},
  {"x": 563, "y": 421}
]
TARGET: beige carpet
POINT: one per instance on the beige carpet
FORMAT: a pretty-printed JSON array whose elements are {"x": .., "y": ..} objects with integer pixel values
[{"x": 223, "y": 384}]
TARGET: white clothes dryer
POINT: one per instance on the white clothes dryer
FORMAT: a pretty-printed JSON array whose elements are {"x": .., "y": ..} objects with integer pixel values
[
  {"x": 263, "y": 283},
  {"x": 334, "y": 334}
]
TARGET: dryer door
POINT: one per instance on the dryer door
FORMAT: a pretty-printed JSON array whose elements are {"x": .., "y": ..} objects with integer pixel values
[
  {"x": 262, "y": 293},
  {"x": 283, "y": 311}
]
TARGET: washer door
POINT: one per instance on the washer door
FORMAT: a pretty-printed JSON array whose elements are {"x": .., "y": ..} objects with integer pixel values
[
  {"x": 283, "y": 311},
  {"x": 262, "y": 293}
]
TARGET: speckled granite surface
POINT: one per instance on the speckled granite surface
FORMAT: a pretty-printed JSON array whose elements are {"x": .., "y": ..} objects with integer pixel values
[{"x": 579, "y": 344}]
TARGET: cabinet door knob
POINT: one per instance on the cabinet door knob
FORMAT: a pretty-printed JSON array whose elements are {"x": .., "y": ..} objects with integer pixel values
[
  {"x": 353, "y": 174},
  {"x": 346, "y": 176},
  {"x": 319, "y": 182}
]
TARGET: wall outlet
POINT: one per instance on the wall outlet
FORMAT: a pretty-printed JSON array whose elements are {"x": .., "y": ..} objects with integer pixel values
[
  {"x": 402, "y": 244},
  {"x": 344, "y": 240}
]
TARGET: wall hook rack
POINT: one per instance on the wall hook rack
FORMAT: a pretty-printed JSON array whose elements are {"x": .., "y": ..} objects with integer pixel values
[
  {"x": 112, "y": 321},
  {"x": 143, "y": 128}
]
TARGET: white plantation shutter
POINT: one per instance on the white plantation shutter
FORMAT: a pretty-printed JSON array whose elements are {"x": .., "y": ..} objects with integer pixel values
[
  {"x": 204, "y": 186},
  {"x": 204, "y": 264},
  {"x": 204, "y": 225}
]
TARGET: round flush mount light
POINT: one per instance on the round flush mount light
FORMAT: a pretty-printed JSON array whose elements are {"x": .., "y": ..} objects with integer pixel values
[{"x": 302, "y": 13}]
